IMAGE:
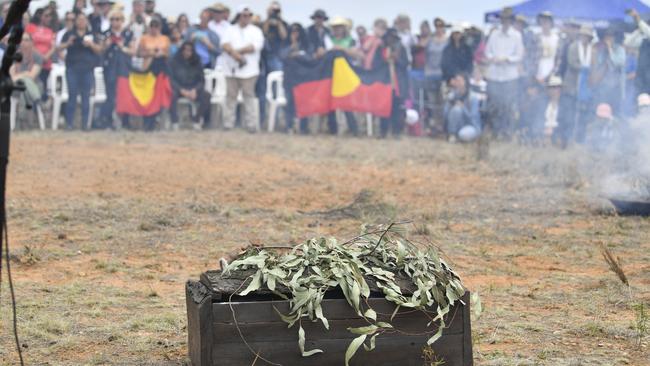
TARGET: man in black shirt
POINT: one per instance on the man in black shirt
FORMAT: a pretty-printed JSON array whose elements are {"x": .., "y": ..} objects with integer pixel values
[{"x": 318, "y": 34}]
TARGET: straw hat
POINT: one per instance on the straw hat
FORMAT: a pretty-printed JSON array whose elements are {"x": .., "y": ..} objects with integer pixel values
[
  {"x": 218, "y": 8},
  {"x": 339, "y": 21},
  {"x": 586, "y": 30}
]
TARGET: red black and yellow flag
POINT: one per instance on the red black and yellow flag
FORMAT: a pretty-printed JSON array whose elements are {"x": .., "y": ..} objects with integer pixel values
[
  {"x": 331, "y": 83},
  {"x": 143, "y": 93}
]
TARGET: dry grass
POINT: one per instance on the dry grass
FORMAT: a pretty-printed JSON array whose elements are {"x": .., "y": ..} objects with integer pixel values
[{"x": 115, "y": 223}]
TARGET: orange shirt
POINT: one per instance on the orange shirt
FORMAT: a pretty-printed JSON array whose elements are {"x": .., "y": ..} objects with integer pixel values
[{"x": 150, "y": 43}]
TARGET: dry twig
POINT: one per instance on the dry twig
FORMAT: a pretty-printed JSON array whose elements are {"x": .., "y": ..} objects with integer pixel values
[{"x": 614, "y": 263}]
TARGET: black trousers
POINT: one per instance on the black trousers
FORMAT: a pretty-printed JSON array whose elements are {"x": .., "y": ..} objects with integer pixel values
[
  {"x": 396, "y": 121},
  {"x": 203, "y": 104},
  {"x": 350, "y": 119}
]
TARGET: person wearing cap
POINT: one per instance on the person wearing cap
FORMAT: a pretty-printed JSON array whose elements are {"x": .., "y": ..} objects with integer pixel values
[
  {"x": 575, "y": 104},
  {"x": 548, "y": 41},
  {"x": 82, "y": 54},
  {"x": 504, "y": 52},
  {"x": 457, "y": 56},
  {"x": 242, "y": 46},
  {"x": 154, "y": 44},
  {"x": 98, "y": 19},
  {"x": 392, "y": 55},
  {"x": 461, "y": 112},
  {"x": 605, "y": 130},
  {"x": 206, "y": 42},
  {"x": 318, "y": 34},
  {"x": 276, "y": 33}
]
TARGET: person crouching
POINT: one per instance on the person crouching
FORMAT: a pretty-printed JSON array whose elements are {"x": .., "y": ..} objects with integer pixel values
[{"x": 462, "y": 111}]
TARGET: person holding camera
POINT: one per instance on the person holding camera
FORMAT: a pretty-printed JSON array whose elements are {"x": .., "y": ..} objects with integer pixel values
[
  {"x": 242, "y": 46},
  {"x": 80, "y": 60}
]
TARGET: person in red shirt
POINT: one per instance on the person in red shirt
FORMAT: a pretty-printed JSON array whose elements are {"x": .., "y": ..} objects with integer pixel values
[{"x": 44, "y": 40}]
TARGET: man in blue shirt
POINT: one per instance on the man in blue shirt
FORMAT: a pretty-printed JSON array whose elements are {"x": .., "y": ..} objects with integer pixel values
[{"x": 206, "y": 42}]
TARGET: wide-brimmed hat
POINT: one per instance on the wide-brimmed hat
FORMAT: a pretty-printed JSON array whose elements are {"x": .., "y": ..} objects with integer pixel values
[
  {"x": 507, "y": 13},
  {"x": 545, "y": 14},
  {"x": 339, "y": 21},
  {"x": 521, "y": 19},
  {"x": 586, "y": 30},
  {"x": 457, "y": 28},
  {"x": 319, "y": 13},
  {"x": 218, "y": 8},
  {"x": 103, "y": 2}
]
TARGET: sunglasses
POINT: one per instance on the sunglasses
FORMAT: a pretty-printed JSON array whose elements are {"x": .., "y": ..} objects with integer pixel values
[{"x": 246, "y": 15}]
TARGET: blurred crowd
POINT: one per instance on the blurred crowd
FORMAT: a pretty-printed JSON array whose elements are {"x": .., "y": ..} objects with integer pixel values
[{"x": 537, "y": 80}]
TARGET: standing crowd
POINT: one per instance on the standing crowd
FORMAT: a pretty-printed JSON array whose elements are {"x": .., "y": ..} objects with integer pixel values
[{"x": 535, "y": 80}]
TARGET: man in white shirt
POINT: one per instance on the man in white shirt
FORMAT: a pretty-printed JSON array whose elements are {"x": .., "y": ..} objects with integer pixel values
[
  {"x": 242, "y": 46},
  {"x": 219, "y": 25},
  {"x": 504, "y": 52}
]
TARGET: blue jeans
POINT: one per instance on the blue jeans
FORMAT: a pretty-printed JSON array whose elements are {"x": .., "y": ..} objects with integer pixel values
[{"x": 80, "y": 83}]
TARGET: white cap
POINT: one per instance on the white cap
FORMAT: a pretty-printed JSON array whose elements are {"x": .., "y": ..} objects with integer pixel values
[{"x": 412, "y": 117}]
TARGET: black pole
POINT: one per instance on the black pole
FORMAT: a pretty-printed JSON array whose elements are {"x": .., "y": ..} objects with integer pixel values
[{"x": 13, "y": 26}]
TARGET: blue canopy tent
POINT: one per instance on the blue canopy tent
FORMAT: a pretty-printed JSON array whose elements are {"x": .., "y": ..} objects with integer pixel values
[{"x": 600, "y": 13}]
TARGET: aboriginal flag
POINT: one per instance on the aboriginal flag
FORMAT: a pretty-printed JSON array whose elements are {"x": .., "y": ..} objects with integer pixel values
[
  {"x": 143, "y": 93},
  {"x": 331, "y": 83}
]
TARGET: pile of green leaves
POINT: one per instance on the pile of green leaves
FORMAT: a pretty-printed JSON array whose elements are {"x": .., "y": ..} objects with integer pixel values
[{"x": 311, "y": 269}]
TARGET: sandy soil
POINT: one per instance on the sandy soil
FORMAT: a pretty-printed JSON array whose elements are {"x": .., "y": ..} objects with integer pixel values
[{"x": 105, "y": 229}]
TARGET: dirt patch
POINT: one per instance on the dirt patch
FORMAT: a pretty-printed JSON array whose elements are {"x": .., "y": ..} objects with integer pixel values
[{"x": 106, "y": 228}]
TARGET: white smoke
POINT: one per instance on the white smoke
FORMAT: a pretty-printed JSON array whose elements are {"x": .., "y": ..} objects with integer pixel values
[{"x": 628, "y": 175}]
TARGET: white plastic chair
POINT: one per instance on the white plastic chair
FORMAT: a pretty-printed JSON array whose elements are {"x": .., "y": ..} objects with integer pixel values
[
  {"x": 99, "y": 96},
  {"x": 369, "y": 123},
  {"x": 13, "y": 116},
  {"x": 58, "y": 89},
  {"x": 275, "y": 96},
  {"x": 217, "y": 89}
]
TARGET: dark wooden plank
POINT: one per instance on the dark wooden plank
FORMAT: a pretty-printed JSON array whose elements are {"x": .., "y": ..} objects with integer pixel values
[
  {"x": 278, "y": 331},
  {"x": 468, "y": 356},
  {"x": 390, "y": 351},
  {"x": 199, "y": 323},
  {"x": 333, "y": 309}
]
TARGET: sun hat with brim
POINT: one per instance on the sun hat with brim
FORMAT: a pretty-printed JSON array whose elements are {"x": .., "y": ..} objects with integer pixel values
[
  {"x": 103, "y": 2},
  {"x": 320, "y": 13},
  {"x": 545, "y": 14},
  {"x": 586, "y": 30},
  {"x": 643, "y": 100},
  {"x": 218, "y": 8},
  {"x": 521, "y": 19},
  {"x": 339, "y": 21},
  {"x": 507, "y": 13},
  {"x": 554, "y": 82}
]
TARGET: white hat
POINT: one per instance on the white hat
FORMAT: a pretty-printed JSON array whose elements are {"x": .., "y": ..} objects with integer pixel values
[
  {"x": 554, "y": 81},
  {"x": 412, "y": 117},
  {"x": 457, "y": 28},
  {"x": 644, "y": 100}
]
